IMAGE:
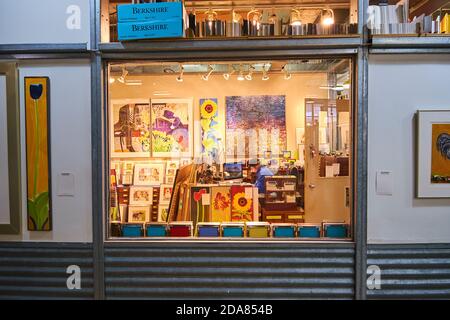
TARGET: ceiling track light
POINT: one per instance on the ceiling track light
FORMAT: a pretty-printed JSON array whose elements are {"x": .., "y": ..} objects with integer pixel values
[
  {"x": 249, "y": 76},
  {"x": 121, "y": 79},
  {"x": 265, "y": 76},
  {"x": 241, "y": 77},
  {"x": 287, "y": 74},
  {"x": 328, "y": 17},
  {"x": 295, "y": 18},
  {"x": 180, "y": 76},
  {"x": 206, "y": 76},
  {"x": 228, "y": 74}
]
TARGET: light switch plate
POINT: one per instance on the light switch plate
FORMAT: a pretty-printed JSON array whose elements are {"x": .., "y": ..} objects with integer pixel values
[
  {"x": 384, "y": 183},
  {"x": 66, "y": 184}
]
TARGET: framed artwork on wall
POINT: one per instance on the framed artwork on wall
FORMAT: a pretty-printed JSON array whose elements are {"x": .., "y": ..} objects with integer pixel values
[
  {"x": 129, "y": 128},
  {"x": 172, "y": 127},
  {"x": 37, "y": 122},
  {"x": 254, "y": 125},
  {"x": 10, "y": 146},
  {"x": 433, "y": 154},
  {"x": 209, "y": 123},
  {"x": 148, "y": 174}
]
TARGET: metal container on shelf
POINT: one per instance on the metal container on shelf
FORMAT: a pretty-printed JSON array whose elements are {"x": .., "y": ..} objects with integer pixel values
[
  {"x": 252, "y": 29},
  {"x": 254, "y": 17},
  {"x": 215, "y": 28},
  {"x": 266, "y": 30},
  {"x": 298, "y": 30},
  {"x": 234, "y": 29}
]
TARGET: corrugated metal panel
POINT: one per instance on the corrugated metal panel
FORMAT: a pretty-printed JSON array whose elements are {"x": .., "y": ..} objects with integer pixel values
[
  {"x": 38, "y": 270},
  {"x": 229, "y": 270},
  {"x": 411, "y": 271}
]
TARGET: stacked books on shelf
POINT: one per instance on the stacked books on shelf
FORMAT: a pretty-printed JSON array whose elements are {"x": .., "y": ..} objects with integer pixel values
[
  {"x": 391, "y": 19},
  {"x": 394, "y": 19}
]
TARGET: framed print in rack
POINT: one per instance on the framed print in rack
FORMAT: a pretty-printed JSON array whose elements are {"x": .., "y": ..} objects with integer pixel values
[
  {"x": 139, "y": 214},
  {"x": 140, "y": 195},
  {"x": 172, "y": 127},
  {"x": 165, "y": 193},
  {"x": 163, "y": 210},
  {"x": 433, "y": 154},
  {"x": 129, "y": 128},
  {"x": 171, "y": 170},
  {"x": 148, "y": 174}
]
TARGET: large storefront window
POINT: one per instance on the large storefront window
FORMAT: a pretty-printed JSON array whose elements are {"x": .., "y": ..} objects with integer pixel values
[{"x": 230, "y": 150}]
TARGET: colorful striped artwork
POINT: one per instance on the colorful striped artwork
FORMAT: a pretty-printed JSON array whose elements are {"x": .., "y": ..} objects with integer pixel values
[
  {"x": 37, "y": 115},
  {"x": 209, "y": 114}
]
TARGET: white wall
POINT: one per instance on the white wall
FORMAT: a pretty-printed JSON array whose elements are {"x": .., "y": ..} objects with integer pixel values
[
  {"x": 44, "y": 21},
  {"x": 398, "y": 87},
  {"x": 70, "y": 112}
]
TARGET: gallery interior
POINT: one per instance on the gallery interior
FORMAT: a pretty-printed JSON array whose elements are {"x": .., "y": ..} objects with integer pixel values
[
  {"x": 258, "y": 149},
  {"x": 274, "y": 139}
]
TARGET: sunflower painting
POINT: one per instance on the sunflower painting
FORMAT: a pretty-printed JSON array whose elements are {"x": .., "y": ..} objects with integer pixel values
[
  {"x": 241, "y": 206},
  {"x": 37, "y": 117},
  {"x": 209, "y": 113}
]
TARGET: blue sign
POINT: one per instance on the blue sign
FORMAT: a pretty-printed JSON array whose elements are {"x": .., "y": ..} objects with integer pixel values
[
  {"x": 150, "y": 30},
  {"x": 149, "y": 11}
]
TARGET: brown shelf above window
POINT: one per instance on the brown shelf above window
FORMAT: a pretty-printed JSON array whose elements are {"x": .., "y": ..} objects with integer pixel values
[{"x": 229, "y": 44}]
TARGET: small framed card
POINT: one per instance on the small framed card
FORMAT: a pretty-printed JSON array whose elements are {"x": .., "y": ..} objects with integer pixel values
[
  {"x": 140, "y": 195},
  {"x": 139, "y": 214}
]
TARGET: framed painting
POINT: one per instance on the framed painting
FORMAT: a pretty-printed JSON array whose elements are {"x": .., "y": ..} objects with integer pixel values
[
  {"x": 254, "y": 125},
  {"x": 37, "y": 126},
  {"x": 139, "y": 214},
  {"x": 433, "y": 154},
  {"x": 140, "y": 195},
  {"x": 209, "y": 123},
  {"x": 171, "y": 170},
  {"x": 163, "y": 210},
  {"x": 200, "y": 204},
  {"x": 220, "y": 204},
  {"x": 241, "y": 203},
  {"x": 148, "y": 174},
  {"x": 129, "y": 128},
  {"x": 165, "y": 193},
  {"x": 172, "y": 127},
  {"x": 10, "y": 146}
]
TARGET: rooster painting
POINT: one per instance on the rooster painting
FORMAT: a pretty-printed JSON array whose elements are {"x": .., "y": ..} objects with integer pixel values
[
  {"x": 440, "y": 159},
  {"x": 443, "y": 145}
]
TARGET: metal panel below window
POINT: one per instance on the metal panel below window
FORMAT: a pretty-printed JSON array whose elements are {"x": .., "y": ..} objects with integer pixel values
[
  {"x": 38, "y": 270},
  {"x": 411, "y": 271},
  {"x": 229, "y": 271}
]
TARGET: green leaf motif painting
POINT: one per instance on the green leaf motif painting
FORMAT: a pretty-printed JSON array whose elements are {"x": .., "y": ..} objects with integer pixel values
[{"x": 38, "y": 160}]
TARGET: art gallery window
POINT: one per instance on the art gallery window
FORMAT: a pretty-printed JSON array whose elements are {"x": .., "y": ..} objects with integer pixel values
[{"x": 230, "y": 150}]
